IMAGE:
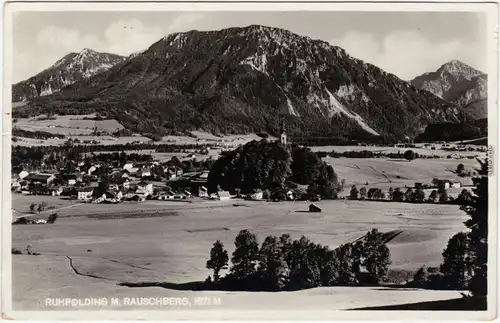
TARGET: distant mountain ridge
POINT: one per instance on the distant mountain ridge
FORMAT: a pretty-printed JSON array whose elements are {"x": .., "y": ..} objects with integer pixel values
[
  {"x": 250, "y": 79},
  {"x": 68, "y": 70},
  {"x": 458, "y": 83}
]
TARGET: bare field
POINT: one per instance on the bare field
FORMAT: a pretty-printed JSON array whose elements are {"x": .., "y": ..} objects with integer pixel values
[{"x": 174, "y": 249}]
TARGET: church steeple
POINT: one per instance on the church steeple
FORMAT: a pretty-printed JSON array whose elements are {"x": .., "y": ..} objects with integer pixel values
[{"x": 283, "y": 133}]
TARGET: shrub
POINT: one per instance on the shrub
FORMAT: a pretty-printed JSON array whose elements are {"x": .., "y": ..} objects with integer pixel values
[
  {"x": 409, "y": 155},
  {"x": 16, "y": 251}
]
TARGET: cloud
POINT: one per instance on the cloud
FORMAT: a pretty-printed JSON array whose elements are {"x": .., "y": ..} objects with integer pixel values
[
  {"x": 127, "y": 36},
  {"x": 405, "y": 53},
  {"x": 184, "y": 22}
]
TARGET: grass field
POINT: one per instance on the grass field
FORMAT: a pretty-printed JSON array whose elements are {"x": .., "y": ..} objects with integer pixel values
[
  {"x": 384, "y": 173},
  {"x": 174, "y": 249}
]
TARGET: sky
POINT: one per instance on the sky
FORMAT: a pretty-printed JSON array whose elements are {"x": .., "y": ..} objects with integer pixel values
[{"x": 406, "y": 44}]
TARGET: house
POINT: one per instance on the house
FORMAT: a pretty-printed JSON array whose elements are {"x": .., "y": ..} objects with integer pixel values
[
  {"x": 40, "y": 178},
  {"x": 92, "y": 169},
  {"x": 85, "y": 194},
  {"x": 143, "y": 172},
  {"x": 314, "y": 208},
  {"x": 169, "y": 195},
  {"x": 203, "y": 192},
  {"x": 128, "y": 166},
  {"x": 132, "y": 171},
  {"x": 72, "y": 181},
  {"x": 456, "y": 185},
  {"x": 113, "y": 195},
  {"x": 187, "y": 193},
  {"x": 257, "y": 195},
  {"x": 56, "y": 191},
  {"x": 223, "y": 195},
  {"x": 23, "y": 174},
  {"x": 144, "y": 187},
  {"x": 290, "y": 196}
]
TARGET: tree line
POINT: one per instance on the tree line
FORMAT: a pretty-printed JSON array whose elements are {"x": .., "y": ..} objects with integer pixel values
[{"x": 281, "y": 263}]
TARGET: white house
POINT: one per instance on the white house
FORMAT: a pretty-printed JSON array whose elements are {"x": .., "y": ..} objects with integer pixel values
[
  {"x": 144, "y": 187},
  {"x": 224, "y": 195},
  {"x": 91, "y": 170},
  {"x": 257, "y": 195},
  {"x": 203, "y": 192},
  {"x": 290, "y": 196},
  {"x": 144, "y": 172},
  {"x": 72, "y": 181},
  {"x": 23, "y": 174},
  {"x": 456, "y": 185},
  {"x": 56, "y": 191},
  {"x": 85, "y": 194},
  {"x": 128, "y": 166}
]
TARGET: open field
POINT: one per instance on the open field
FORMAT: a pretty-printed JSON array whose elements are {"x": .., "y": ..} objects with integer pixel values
[
  {"x": 387, "y": 150},
  {"x": 384, "y": 173},
  {"x": 174, "y": 249}
]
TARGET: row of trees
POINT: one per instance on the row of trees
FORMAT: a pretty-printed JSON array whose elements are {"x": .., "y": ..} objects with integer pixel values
[
  {"x": 282, "y": 264},
  {"x": 410, "y": 195},
  {"x": 408, "y": 155}
]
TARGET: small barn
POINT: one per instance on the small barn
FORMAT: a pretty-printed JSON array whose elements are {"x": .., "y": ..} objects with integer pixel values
[
  {"x": 314, "y": 208},
  {"x": 224, "y": 195}
]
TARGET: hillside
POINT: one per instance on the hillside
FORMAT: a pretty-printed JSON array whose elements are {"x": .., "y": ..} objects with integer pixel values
[
  {"x": 242, "y": 80},
  {"x": 69, "y": 69},
  {"x": 458, "y": 83}
]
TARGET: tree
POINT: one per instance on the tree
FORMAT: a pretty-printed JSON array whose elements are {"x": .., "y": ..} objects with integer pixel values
[
  {"x": 218, "y": 259},
  {"x": 457, "y": 262},
  {"x": 391, "y": 192},
  {"x": 32, "y": 207},
  {"x": 433, "y": 196},
  {"x": 408, "y": 195},
  {"x": 375, "y": 257},
  {"x": 420, "y": 278},
  {"x": 465, "y": 197},
  {"x": 409, "y": 155},
  {"x": 478, "y": 224},
  {"x": 397, "y": 195},
  {"x": 362, "y": 193},
  {"x": 372, "y": 193},
  {"x": 273, "y": 267},
  {"x": 419, "y": 196},
  {"x": 345, "y": 257},
  {"x": 304, "y": 267},
  {"x": 460, "y": 168},
  {"x": 245, "y": 256},
  {"x": 353, "y": 195},
  {"x": 443, "y": 194},
  {"x": 39, "y": 208}
]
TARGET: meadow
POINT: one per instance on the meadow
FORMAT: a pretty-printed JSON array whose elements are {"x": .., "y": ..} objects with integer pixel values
[{"x": 174, "y": 249}]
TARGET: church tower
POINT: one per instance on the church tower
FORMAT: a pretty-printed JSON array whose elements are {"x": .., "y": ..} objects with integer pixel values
[{"x": 283, "y": 134}]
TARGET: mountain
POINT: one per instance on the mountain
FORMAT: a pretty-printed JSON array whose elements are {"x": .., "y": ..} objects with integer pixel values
[
  {"x": 251, "y": 79},
  {"x": 458, "y": 83},
  {"x": 69, "y": 69}
]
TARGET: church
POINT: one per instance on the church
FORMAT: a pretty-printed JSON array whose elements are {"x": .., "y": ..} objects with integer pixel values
[{"x": 283, "y": 138}]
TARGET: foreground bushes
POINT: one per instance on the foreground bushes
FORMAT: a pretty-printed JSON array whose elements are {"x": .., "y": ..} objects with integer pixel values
[{"x": 283, "y": 264}]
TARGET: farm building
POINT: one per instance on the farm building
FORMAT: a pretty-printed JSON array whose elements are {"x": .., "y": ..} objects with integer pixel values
[
  {"x": 144, "y": 187},
  {"x": 314, "y": 208},
  {"x": 40, "y": 178},
  {"x": 23, "y": 174},
  {"x": 223, "y": 195},
  {"x": 456, "y": 185},
  {"x": 203, "y": 192},
  {"x": 85, "y": 194},
  {"x": 143, "y": 172},
  {"x": 257, "y": 195}
]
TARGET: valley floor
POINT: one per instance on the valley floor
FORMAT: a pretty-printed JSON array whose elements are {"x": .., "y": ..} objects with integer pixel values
[{"x": 84, "y": 256}]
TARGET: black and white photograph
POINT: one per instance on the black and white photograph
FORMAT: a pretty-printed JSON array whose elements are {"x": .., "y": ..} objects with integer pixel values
[{"x": 249, "y": 160}]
